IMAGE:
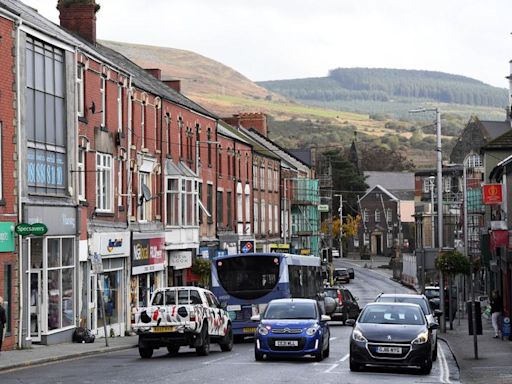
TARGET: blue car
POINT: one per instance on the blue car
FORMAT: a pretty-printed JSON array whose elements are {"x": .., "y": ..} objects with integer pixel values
[{"x": 292, "y": 328}]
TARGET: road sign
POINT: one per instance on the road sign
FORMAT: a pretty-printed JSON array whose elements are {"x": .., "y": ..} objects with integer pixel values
[
  {"x": 36, "y": 229},
  {"x": 247, "y": 246},
  {"x": 97, "y": 263},
  {"x": 323, "y": 208}
]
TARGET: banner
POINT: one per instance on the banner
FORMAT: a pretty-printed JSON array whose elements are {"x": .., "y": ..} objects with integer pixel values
[{"x": 492, "y": 194}]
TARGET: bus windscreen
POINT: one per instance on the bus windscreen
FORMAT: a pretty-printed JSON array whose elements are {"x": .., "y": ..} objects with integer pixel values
[{"x": 248, "y": 277}]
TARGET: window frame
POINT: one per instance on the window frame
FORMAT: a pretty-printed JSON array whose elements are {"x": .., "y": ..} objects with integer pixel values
[
  {"x": 80, "y": 90},
  {"x": 107, "y": 182}
]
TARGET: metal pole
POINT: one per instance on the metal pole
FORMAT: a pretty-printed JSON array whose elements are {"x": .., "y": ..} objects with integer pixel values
[
  {"x": 433, "y": 226},
  {"x": 285, "y": 215},
  {"x": 102, "y": 302}
]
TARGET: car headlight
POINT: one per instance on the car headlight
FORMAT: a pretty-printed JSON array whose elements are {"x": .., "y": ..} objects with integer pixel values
[
  {"x": 357, "y": 335},
  {"x": 312, "y": 330},
  {"x": 263, "y": 330},
  {"x": 422, "y": 338}
]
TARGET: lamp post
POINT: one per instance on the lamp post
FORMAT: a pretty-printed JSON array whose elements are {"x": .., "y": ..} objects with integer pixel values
[
  {"x": 431, "y": 181},
  {"x": 439, "y": 202}
]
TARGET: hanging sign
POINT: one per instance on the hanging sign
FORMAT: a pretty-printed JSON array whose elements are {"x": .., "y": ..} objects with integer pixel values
[{"x": 492, "y": 194}]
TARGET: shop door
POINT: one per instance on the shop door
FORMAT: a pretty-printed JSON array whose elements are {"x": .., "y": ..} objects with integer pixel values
[{"x": 36, "y": 290}]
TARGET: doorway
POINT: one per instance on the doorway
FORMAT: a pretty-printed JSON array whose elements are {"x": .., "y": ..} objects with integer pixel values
[{"x": 36, "y": 293}]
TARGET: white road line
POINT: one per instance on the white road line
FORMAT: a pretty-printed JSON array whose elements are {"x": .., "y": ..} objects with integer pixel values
[
  {"x": 444, "y": 376},
  {"x": 332, "y": 338},
  {"x": 219, "y": 359},
  {"x": 330, "y": 369},
  {"x": 344, "y": 357}
]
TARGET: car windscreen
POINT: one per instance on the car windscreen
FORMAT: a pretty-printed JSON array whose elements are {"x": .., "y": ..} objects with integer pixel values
[
  {"x": 340, "y": 272},
  {"x": 248, "y": 277},
  {"x": 331, "y": 293},
  {"x": 409, "y": 299},
  {"x": 392, "y": 314},
  {"x": 432, "y": 293},
  {"x": 290, "y": 310}
]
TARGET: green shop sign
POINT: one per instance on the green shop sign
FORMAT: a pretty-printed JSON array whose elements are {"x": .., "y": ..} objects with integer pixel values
[
  {"x": 37, "y": 229},
  {"x": 6, "y": 237}
]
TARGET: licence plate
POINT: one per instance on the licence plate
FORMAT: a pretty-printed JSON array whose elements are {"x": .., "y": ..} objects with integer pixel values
[
  {"x": 394, "y": 350},
  {"x": 162, "y": 329},
  {"x": 287, "y": 343},
  {"x": 249, "y": 330}
]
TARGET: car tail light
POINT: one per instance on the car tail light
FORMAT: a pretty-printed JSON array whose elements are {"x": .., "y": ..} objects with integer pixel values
[{"x": 340, "y": 298}]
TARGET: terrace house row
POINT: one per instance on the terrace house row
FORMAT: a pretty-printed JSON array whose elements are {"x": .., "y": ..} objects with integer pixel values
[{"x": 117, "y": 165}]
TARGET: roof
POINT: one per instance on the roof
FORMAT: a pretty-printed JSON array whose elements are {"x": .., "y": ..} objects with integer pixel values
[
  {"x": 227, "y": 130},
  {"x": 400, "y": 184},
  {"x": 243, "y": 134},
  {"x": 494, "y": 129},
  {"x": 386, "y": 192},
  {"x": 303, "y": 154},
  {"x": 502, "y": 142}
]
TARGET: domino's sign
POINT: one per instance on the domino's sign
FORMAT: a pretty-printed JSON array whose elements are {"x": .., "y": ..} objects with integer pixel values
[{"x": 247, "y": 246}]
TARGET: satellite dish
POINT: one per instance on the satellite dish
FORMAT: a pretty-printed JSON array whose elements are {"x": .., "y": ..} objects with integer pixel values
[{"x": 146, "y": 193}]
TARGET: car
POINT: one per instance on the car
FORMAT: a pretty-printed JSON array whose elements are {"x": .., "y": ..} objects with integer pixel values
[
  {"x": 350, "y": 273},
  {"x": 336, "y": 253},
  {"x": 391, "y": 335},
  {"x": 346, "y": 304},
  {"x": 341, "y": 275},
  {"x": 292, "y": 328},
  {"x": 433, "y": 295},
  {"x": 422, "y": 301}
]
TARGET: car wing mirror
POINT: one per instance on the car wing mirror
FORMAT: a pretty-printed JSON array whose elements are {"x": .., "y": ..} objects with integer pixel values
[
  {"x": 438, "y": 312},
  {"x": 350, "y": 322},
  {"x": 432, "y": 326},
  {"x": 256, "y": 318},
  {"x": 325, "y": 318}
]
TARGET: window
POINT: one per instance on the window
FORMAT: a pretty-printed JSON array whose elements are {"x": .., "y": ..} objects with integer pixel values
[
  {"x": 104, "y": 182},
  {"x": 389, "y": 240},
  {"x": 220, "y": 207},
  {"x": 209, "y": 202},
  {"x": 119, "y": 108},
  {"x": 80, "y": 89},
  {"x": 270, "y": 176},
  {"x": 270, "y": 219},
  {"x": 366, "y": 215},
  {"x": 220, "y": 162},
  {"x": 80, "y": 168},
  {"x": 389, "y": 215},
  {"x": 45, "y": 122},
  {"x": 181, "y": 201},
  {"x": 103, "y": 96},
  {"x": 276, "y": 181},
  {"x": 200, "y": 197},
  {"x": 377, "y": 216},
  {"x": 228, "y": 156},
  {"x": 447, "y": 181},
  {"x": 366, "y": 239},
  {"x": 144, "y": 205},
  {"x": 239, "y": 208},
  {"x": 276, "y": 219},
  {"x": 209, "y": 135},
  {"x": 120, "y": 174},
  {"x": 427, "y": 185},
  {"x": 475, "y": 161},
  {"x": 168, "y": 132},
  {"x": 180, "y": 144},
  {"x": 262, "y": 176},
  {"x": 256, "y": 217},
  {"x": 255, "y": 176},
  {"x": 263, "y": 218},
  {"x": 247, "y": 208},
  {"x": 143, "y": 138},
  {"x": 229, "y": 204}
]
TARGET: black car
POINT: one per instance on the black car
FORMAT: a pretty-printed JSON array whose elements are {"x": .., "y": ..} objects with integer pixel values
[
  {"x": 391, "y": 335},
  {"x": 433, "y": 295},
  {"x": 346, "y": 304},
  {"x": 422, "y": 301},
  {"x": 350, "y": 272},
  {"x": 341, "y": 276}
]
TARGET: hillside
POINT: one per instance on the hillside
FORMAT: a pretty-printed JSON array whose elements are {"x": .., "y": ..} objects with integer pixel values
[{"x": 381, "y": 119}]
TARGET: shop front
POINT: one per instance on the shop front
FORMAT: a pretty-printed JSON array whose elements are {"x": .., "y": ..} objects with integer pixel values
[
  {"x": 109, "y": 286},
  {"x": 148, "y": 267},
  {"x": 50, "y": 282},
  {"x": 179, "y": 272}
]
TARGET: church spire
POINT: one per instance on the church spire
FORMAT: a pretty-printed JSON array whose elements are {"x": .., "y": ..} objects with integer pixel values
[{"x": 353, "y": 155}]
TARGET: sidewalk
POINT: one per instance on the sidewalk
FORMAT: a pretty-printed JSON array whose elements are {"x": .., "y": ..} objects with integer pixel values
[
  {"x": 40, "y": 354},
  {"x": 494, "y": 364}
]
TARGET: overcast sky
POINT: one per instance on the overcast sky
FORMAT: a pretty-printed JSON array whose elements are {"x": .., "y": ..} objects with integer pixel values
[{"x": 285, "y": 39}]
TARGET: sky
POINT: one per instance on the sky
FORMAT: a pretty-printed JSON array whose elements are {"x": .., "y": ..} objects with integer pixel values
[{"x": 288, "y": 39}]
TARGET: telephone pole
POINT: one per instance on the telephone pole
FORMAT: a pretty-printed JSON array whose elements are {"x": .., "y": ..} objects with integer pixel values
[{"x": 340, "y": 211}]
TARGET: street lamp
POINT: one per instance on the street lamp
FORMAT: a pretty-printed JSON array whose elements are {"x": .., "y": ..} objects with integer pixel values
[
  {"x": 431, "y": 181},
  {"x": 439, "y": 202}
]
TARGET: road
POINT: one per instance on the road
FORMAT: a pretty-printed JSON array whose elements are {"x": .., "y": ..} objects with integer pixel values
[{"x": 239, "y": 365}]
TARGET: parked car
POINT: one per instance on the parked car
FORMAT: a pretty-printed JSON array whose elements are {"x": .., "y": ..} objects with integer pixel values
[
  {"x": 341, "y": 275},
  {"x": 291, "y": 328},
  {"x": 433, "y": 295},
  {"x": 336, "y": 253},
  {"x": 422, "y": 301},
  {"x": 391, "y": 335},
  {"x": 346, "y": 304},
  {"x": 350, "y": 273},
  {"x": 183, "y": 316}
]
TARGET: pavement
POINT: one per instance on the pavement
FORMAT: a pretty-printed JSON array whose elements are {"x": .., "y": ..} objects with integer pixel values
[{"x": 492, "y": 366}]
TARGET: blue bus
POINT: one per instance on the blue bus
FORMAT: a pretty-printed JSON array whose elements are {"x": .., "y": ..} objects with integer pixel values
[{"x": 247, "y": 282}]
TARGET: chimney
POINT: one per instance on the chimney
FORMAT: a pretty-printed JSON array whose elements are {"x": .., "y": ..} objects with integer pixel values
[
  {"x": 174, "y": 84},
  {"x": 79, "y": 17},
  {"x": 156, "y": 72},
  {"x": 256, "y": 121}
]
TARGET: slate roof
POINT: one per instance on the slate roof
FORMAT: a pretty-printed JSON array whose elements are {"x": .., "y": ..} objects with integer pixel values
[
  {"x": 502, "y": 142},
  {"x": 494, "y": 129},
  {"x": 400, "y": 184}
]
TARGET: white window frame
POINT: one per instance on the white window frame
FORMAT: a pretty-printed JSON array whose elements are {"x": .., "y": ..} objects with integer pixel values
[
  {"x": 80, "y": 96},
  {"x": 239, "y": 208},
  {"x": 270, "y": 219},
  {"x": 247, "y": 208},
  {"x": 263, "y": 218},
  {"x": 389, "y": 215},
  {"x": 276, "y": 219},
  {"x": 377, "y": 216},
  {"x": 366, "y": 215},
  {"x": 144, "y": 206},
  {"x": 80, "y": 168},
  {"x": 104, "y": 166},
  {"x": 256, "y": 217},
  {"x": 262, "y": 176},
  {"x": 270, "y": 177},
  {"x": 119, "y": 182},
  {"x": 255, "y": 176},
  {"x": 447, "y": 183},
  {"x": 103, "y": 96}
]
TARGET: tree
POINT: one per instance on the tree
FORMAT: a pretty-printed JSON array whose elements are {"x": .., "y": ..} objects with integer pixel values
[
  {"x": 202, "y": 268},
  {"x": 452, "y": 263},
  {"x": 372, "y": 156}
]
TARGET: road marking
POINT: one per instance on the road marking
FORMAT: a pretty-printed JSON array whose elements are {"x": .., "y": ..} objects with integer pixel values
[
  {"x": 344, "y": 358},
  {"x": 219, "y": 359},
  {"x": 330, "y": 369},
  {"x": 444, "y": 375},
  {"x": 332, "y": 338}
]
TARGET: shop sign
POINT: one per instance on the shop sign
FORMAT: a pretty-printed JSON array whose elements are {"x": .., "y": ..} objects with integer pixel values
[
  {"x": 247, "y": 246},
  {"x": 148, "y": 255},
  {"x": 323, "y": 208},
  {"x": 7, "y": 237},
  {"x": 37, "y": 229},
  {"x": 180, "y": 259},
  {"x": 492, "y": 194},
  {"x": 111, "y": 243},
  {"x": 280, "y": 248},
  {"x": 59, "y": 220}
]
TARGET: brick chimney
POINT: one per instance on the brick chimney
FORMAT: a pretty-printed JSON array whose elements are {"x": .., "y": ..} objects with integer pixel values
[
  {"x": 257, "y": 121},
  {"x": 156, "y": 72},
  {"x": 174, "y": 84},
  {"x": 79, "y": 17}
]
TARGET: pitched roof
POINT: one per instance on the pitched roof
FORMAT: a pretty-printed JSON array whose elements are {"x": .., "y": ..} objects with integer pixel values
[
  {"x": 384, "y": 190},
  {"x": 494, "y": 129},
  {"x": 502, "y": 142},
  {"x": 392, "y": 181}
]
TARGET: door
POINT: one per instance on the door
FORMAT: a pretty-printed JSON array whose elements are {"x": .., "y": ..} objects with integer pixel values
[
  {"x": 378, "y": 241},
  {"x": 36, "y": 290}
]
